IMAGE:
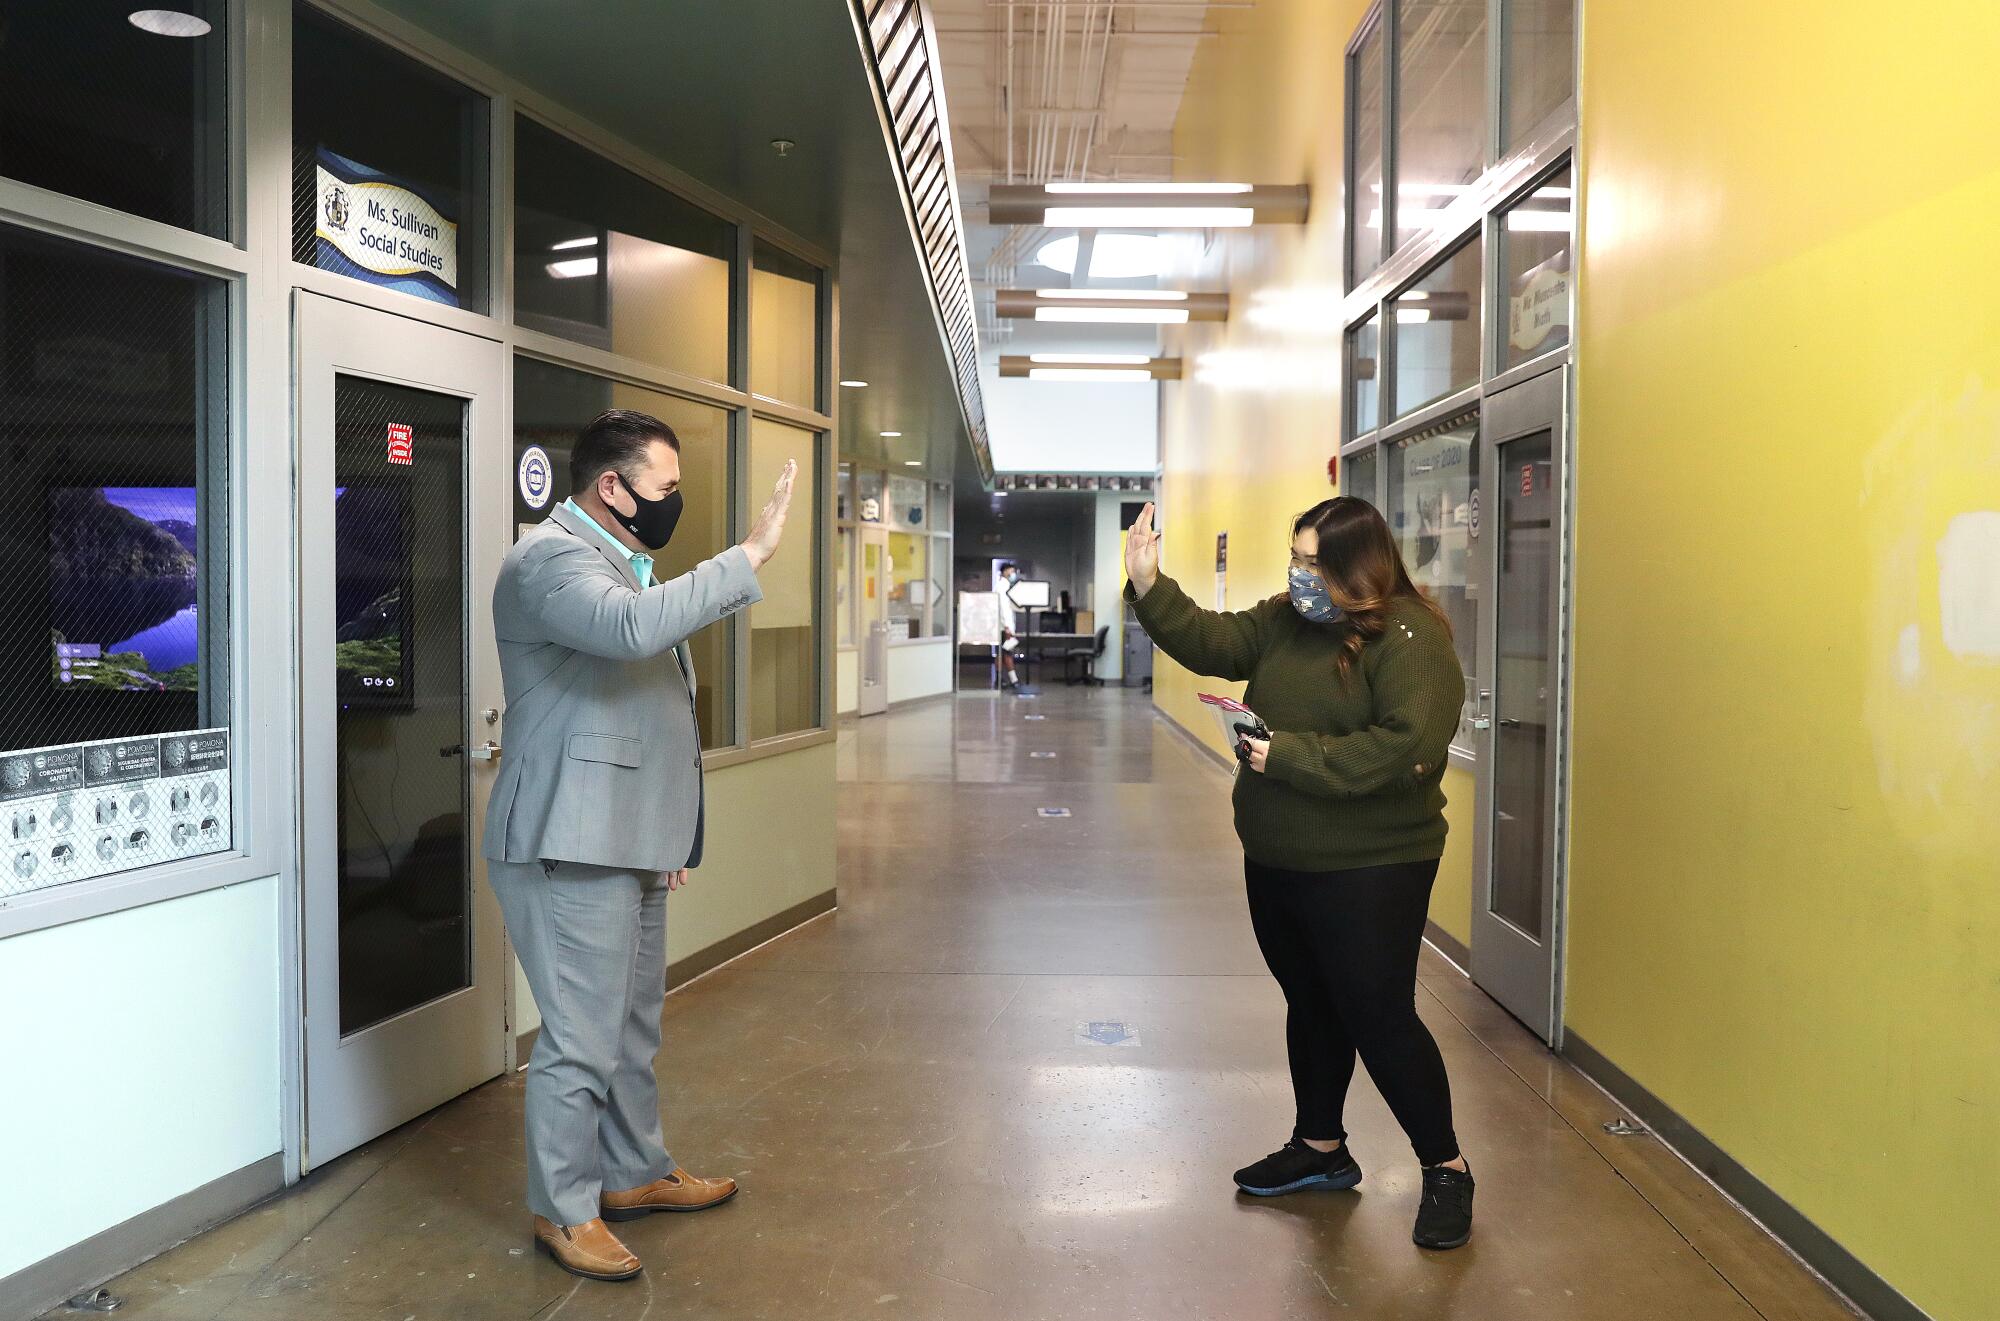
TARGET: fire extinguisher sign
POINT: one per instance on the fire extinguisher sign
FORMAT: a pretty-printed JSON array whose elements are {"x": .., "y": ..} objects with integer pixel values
[{"x": 402, "y": 446}]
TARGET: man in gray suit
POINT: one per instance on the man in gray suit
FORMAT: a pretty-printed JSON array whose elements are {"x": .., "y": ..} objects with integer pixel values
[{"x": 597, "y": 814}]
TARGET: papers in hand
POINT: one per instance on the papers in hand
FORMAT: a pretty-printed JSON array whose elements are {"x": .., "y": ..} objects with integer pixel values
[{"x": 1236, "y": 721}]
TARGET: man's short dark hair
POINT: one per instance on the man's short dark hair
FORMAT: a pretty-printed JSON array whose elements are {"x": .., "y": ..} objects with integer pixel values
[
  {"x": 616, "y": 441},
  {"x": 1006, "y": 565}
]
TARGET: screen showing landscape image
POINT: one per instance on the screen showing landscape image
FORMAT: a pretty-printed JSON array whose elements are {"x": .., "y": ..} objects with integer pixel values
[
  {"x": 371, "y": 564},
  {"x": 122, "y": 580}
]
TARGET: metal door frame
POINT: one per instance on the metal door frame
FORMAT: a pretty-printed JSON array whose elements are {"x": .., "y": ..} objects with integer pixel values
[
  {"x": 430, "y": 1053},
  {"x": 1524, "y": 976},
  {"x": 872, "y": 633}
]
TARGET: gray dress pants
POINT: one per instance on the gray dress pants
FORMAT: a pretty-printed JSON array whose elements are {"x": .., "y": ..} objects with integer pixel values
[{"x": 593, "y": 942}]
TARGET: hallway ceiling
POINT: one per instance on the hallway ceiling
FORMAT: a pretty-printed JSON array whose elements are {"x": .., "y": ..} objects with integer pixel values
[
  {"x": 1044, "y": 92},
  {"x": 706, "y": 85}
]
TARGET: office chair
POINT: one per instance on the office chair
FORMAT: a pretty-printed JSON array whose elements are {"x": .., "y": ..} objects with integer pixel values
[{"x": 1087, "y": 658}]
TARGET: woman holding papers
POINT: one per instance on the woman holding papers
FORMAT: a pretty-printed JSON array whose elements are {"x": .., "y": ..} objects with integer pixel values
[{"x": 1342, "y": 822}]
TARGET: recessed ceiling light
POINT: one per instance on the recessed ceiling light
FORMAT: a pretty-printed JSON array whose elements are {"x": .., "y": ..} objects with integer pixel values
[
  {"x": 168, "y": 23},
  {"x": 913, "y": 463},
  {"x": 572, "y": 268},
  {"x": 891, "y": 435},
  {"x": 587, "y": 241},
  {"x": 855, "y": 385}
]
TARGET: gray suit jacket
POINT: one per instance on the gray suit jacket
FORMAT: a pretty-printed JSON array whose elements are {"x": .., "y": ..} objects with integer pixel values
[{"x": 603, "y": 760}]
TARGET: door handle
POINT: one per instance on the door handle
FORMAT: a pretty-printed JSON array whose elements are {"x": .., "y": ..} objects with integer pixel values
[
  {"x": 487, "y": 751},
  {"x": 1482, "y": 722}
]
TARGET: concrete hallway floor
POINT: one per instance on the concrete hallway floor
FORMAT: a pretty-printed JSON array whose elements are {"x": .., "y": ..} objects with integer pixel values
[{"x": 921, "y": 1131}]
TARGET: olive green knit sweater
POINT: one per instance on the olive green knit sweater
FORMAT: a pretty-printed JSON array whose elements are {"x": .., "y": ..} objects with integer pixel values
[{"x": 1353, "y": 776}]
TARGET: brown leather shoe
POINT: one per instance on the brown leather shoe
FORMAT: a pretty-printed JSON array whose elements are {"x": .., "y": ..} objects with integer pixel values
[
  {"x": 679, "y": 1191},
  {"x": 590, "y": 1250}
]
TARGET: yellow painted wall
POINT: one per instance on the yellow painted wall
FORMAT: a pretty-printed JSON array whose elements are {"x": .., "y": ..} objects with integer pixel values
[
  {"x": 1244, "y": 440},
  {"x": 1785, "y": 895}
]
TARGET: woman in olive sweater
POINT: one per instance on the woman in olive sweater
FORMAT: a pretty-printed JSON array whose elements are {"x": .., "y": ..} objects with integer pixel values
[{"x": 1342, "y": 822}]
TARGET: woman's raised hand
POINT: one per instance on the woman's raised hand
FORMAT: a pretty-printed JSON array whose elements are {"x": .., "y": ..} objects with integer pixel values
[{"x": 1142, "y": 552}]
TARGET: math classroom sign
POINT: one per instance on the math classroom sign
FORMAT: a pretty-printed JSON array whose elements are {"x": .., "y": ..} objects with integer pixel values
[{"x": 372, "y": 228}]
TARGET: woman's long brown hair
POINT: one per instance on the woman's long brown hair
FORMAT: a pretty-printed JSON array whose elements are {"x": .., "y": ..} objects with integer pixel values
[{"x": 1362, "y": 568}]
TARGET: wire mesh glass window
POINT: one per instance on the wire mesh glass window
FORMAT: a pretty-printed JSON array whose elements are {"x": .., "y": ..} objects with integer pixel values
[
  {"x": 784, "y": 326},
  {"x": 389, "y": 173},
  {"x": 551, "y": 405},
  {"x": 113, "y": 494},
  {"x": 128, "y": 112},
  {"x": 603, "y": 257}
]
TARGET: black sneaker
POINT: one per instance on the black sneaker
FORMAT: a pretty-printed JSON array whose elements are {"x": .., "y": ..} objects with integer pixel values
[
  {"x": 1296, "y": 1166},
  {"x": 1444, "y": 1216}
]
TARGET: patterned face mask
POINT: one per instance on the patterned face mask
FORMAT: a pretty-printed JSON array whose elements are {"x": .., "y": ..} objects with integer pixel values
[{"x": 1309, "y": 596}]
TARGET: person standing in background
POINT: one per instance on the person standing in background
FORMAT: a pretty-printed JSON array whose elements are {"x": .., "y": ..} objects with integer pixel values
[
  {"x": 597, "y": 814},
  {"x": 1009, "y": 644}
]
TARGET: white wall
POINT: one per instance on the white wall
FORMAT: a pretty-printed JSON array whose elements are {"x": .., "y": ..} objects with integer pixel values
[
  {"x": 141, "y": 1055},
  {"x": 920, "y": 669},
  {"x": 846, "y": 681}
]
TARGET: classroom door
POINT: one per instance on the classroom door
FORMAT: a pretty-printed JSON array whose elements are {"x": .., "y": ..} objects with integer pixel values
[
  {"x": 404, "y": 513},
  {"x": 1517, "y": 878}
]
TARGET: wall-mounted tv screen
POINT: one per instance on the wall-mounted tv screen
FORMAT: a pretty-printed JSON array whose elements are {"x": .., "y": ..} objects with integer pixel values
[
  {"x": 371, "y": 586},
  {"x": 122, "y": 588}
]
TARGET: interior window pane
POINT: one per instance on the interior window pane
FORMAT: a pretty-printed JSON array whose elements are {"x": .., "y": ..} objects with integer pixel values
[
  {"x": 605, "y": 258},
  {"x": 95, "y": 106},
  {"x": 1431, "y": 506},
  {"x": 1440, "y": 128},
  {"x": 908, "y": 581},
  {"x": 1534, "y": 262},
  {"x": 784, "y": 327},
  {"x": 1364, "y": 355},
  {"x": 1437, "y": 333},
  {"x": 114, "y": 497},
  {"x": 1361, "y": 473},
  {"x": 843, "y": 492},
  {"x": 1364, "y": 221},
  {"x": 551, "y": 405},
  {"x": 399, "y": 657},
  {"x": 907, "y": 503},
  {"x": 869, "y": 488},
  {"x": 784, "y": 626},
  {"x": 940, "y": 506},
  {"x": 1540, "y": 40},
  {"x": 389, "y": 171},
  {"x": 938, "y": 593}
]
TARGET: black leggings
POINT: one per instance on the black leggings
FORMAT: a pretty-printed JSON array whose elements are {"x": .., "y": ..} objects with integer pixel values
[{"x": 1343, "y": 945}]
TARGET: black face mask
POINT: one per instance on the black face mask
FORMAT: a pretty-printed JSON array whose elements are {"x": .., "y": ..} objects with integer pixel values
[{"x": 653, "y": 522}]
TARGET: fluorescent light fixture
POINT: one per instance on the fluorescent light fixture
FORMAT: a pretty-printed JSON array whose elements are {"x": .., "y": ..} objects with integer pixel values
[
  {"x": 1088, "y": 374},
  {"x": 1089, "y": 367},
  {"x": 587, "y": 241},
  {"x": 1159, "y": 316},
  {"x": 913, "y": 463},
  {"x": 1149, "y": 217},
  {"x": 1112, "y": 256},
  {"x": 168, "y": 23},
  {"x": 891, "y": 435},
  {"x": 1412, "y": 316},
  {"x": 1144, "y": 205},
  {"x": 573, "y": 267},
  {"x": 1116, "y": 188},
  {"x": 855, "y": 385},
  {"x": 1119, "y": 295}
]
